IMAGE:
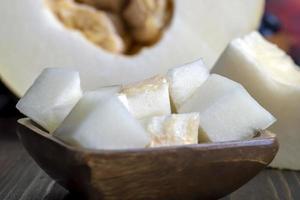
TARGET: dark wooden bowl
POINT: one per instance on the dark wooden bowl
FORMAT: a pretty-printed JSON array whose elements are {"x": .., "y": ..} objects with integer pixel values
[{"x": 202, "y": 171}]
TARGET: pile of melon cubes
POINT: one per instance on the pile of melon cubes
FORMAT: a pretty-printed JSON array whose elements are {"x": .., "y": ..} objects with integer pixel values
[{"x": 187, "y": 105}]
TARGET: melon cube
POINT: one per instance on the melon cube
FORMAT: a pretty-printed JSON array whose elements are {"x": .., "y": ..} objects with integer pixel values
[
  {"x": 184, "y": 80},
  {"x": 227, "y": 112},
  {"x": 147, "y": 98},
  {"x": 51, "y": 97},
  {"x": 101, "y": 121},
  {"x": 175, "y": 129}
]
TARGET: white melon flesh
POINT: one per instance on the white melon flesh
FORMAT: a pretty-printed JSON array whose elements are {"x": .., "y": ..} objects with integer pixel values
[
  {"x": 32, "y": 39},
  {"x": 274, "y": 80},
  {"x": 176, "y": 129},
  {"x": 227, "y": 112},
  {"x": 51, "y": 97},
  {"x": 184, "y": 80},
  {"x": 100, "y": 121},
  {"x": 147, "y": 98}
]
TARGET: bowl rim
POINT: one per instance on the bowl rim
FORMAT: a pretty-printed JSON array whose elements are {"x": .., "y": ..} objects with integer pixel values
[{"x": 262, "y": 138}]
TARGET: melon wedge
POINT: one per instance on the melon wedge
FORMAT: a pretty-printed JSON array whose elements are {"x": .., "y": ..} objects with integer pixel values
[
  {"x": 32, "y": 38},
  {"x": 273, "y": 79}
]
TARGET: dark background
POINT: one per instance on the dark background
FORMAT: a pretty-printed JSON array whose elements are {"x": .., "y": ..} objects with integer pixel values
[{"x": 280, "y": 24}]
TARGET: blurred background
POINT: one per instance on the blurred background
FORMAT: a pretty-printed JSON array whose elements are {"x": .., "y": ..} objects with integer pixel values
[{"x": 280, "y": 24}]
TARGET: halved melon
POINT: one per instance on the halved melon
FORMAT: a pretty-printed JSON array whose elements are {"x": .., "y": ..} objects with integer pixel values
[{"x": 33, "y": 37}]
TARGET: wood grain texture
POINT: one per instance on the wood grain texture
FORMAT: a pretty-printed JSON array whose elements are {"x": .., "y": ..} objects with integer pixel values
[{"x": 21, "y": 178}]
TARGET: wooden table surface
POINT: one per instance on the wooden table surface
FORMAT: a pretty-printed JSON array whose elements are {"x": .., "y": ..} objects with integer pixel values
[{"x": 21, "y": 178}]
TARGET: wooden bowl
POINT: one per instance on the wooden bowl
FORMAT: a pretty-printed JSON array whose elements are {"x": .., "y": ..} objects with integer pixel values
[{"x": 201, "y": 171}]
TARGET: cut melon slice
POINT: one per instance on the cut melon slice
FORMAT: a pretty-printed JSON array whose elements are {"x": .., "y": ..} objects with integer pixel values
[
  {"x": 100, "y": 121},
  {"x": 270, "y": 76},
  {"x": 51, "y": 97},
  {"x": 227, "y": 111},
  {"x": 32, "y": 38}
]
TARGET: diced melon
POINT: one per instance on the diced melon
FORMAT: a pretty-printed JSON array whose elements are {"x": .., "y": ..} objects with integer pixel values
[
  {"x": 184, "y": 80},
  {"x": 51, "y": 97},
  {"x": 176, "y": 129},
  {"x": 227, "y": 111},
  {"x": 101, "y": 121},
  {"x": 147, "y": 98}
]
